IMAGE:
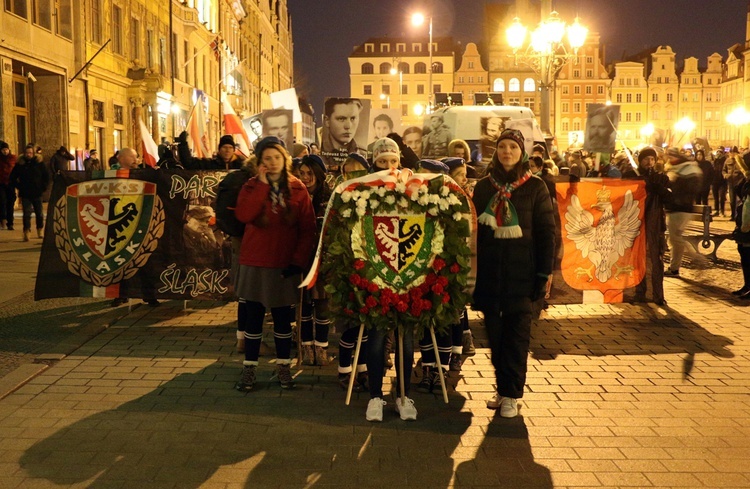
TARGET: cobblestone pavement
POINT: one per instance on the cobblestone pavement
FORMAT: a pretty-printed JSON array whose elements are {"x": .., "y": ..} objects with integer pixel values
[{"x": 617, "y": 396}]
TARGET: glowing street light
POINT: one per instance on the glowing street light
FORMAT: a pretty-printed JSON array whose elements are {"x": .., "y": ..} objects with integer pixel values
[
  {"x": 738, "y": 118},
  {"x": 418, "y": 109},
  {"x": 647, "y": 131},
  {"x": 550, "y": 46}
]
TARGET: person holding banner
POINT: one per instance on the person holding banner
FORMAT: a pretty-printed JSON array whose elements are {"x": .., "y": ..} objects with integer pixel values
[
  {"x": 515, "y": 253},
  {"x": 225, "y": 159},
  {"x": 276, "y": 247}
]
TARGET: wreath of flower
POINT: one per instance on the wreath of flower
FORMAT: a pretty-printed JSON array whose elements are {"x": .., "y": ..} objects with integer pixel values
[{"x": 354, "y": 272}]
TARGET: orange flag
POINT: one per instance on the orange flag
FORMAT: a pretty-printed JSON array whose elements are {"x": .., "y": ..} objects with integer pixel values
[
  {"x": 196, "y": 128},
  {"x": 233, "y": 125},
  {"x": 603, "y": 236}
]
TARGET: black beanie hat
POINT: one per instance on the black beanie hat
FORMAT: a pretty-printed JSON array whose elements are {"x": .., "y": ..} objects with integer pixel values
[
  {"x": 4, "y": 145},
  {"x": 226, "y": 139},
  {"x": 314, "y": 160},
  {"x": 646, "y": 152},
  {"x": 266, "y": 142}
]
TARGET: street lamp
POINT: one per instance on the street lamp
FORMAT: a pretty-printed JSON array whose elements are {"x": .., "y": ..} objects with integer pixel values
[
  {"x": 546, "y": 52},
  {"x": 647, "y": 131},
  {"x": 387, "y": 98},
  {"x": 684, "y": 125},
  {"x": 738, "y": 118},
  {"x": 417, "y": 20}
]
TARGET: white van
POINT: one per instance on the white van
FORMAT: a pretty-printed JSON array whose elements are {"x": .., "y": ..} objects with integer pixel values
[{"x": 479, "y": 125}]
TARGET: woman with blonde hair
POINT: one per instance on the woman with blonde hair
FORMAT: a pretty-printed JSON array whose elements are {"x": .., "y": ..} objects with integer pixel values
[{"x": 458, "y": 148}]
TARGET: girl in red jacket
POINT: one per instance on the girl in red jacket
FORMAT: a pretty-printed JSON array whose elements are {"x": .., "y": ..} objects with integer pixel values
[{"x": 276, "y": 247}]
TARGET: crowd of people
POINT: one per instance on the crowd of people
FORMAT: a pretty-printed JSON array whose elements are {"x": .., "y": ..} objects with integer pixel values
[{"x": 281, "y": 197}]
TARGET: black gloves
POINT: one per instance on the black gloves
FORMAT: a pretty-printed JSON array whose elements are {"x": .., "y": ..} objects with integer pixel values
[
  {"x": 540, "y": 288},
  {"x": 291, "y": 271}
]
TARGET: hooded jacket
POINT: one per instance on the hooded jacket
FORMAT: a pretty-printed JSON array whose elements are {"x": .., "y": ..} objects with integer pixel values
[
  {"x": 685, "y": 180},
  {"x": 30, "y": 177}
]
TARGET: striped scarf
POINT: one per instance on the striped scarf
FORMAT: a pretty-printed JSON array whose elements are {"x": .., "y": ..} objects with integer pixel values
[{"x": 500, "y": 213}]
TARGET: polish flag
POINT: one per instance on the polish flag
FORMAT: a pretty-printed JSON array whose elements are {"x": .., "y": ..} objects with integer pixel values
[
  {"x": 233, "y": 125},
  {"x": 149, "y": 150},
  {"x": 196, "y": 128}
]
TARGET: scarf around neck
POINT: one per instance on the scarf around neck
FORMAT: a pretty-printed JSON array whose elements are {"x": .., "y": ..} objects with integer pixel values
[{"x": 500, "y": 214}]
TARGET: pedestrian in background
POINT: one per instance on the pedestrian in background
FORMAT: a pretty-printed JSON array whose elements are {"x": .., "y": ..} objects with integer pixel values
[
  {"x": 7, "y": 191},
  {"x": 685, "y": 179},
  {"x": 30, "y": 177},
  {"x": 707, "y": 168}
]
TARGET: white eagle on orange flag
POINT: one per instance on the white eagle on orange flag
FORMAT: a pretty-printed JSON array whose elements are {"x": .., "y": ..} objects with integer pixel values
[{"x": 606, "y": 242}]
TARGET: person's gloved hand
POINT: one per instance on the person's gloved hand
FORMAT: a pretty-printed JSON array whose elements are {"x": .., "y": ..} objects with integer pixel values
[
  {"x": 291, "y": 271},
  {"x": 540, "y": 288}
]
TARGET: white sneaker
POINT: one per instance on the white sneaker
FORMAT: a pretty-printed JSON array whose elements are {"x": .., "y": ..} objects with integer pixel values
[
  {"x": 406, "y": 409},
  {"x": 375, "y": 409},
  {"x": 507, "y": 405}
]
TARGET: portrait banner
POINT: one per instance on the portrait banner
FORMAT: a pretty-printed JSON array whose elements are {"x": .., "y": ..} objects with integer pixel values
[
  {"x": 437, "y": 134},
  {"x": 382, "y": 123},
  {"x": 135, "y": 234},
  {"x": 601, "y": 128},
  {"x": 490, "y": 128},
  {"x": 345, "y": 129},
  {"x": 602, "y": 257},
  {"x": 278, "y": 123}
]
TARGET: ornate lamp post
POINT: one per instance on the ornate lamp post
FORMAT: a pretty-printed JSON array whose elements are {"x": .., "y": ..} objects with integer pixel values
[
  {"x": 417, "y": 20},
  {"x": 546, "y": 52}
]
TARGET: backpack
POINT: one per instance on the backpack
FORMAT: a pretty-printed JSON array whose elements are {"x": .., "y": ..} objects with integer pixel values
[{"x": 226, "y": 201}]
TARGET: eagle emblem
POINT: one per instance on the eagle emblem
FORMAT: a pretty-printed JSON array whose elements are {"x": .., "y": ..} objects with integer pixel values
[{"x": 606, "y": 242}]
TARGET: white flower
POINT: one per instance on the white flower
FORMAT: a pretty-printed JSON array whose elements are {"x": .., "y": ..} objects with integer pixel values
[
  {"x": 403, "y": 202},
  {"x": 347, "y": 213},
  {"x": 361, "y": 211},
  {"x": 457, "y": 216},
  {"x": 423, "y": 189},
  {"x": 434, "y": 199},
  {"x": 414, "y": 196},
  {"x": 433, "y": 211},
  {"x": 424, "y": 200},
  {"x": 361, "y": 204},
  {"x": 437, "y": 243},
  {"x": 374, "y": 204},
  {"x": 401, "y": 187},
  {"x": 365, "y": 194},
  {"x": 445, "y": 191},
  {"x": 381, "y": 191},
  {"x": 346, "y": 196},
  {"x": 443, "y": 204},
  {"x": 453, "y": 200},
  {"x": 390, "y": 200},
  {"x": 355, "y": 194}
]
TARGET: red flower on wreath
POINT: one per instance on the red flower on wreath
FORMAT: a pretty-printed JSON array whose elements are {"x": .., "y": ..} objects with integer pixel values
[
  {"x": 437, "y": 289},
  {"x": 446, "y": 298},
  {"x": 372, "y": 288},
  {"x": 401, "y": 306},
  {"x": 455, "y": 268},
  {"x": 359, "y": 264},
  {"x": 431, "y": 279},
  {"x": 371, "y": 302},
  {"x": 355, "y": 279},
  {"x": 442, "y": 281},
  {"x": 364, "y": 310},
  {"x": 438, "y": 264}
]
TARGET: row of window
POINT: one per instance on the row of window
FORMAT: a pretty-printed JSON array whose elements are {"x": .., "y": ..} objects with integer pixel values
[
  {"x": 480, "y": 79},
  {"x": 386, "y": 89},
  {"x": 385, "y": 68},
  {"x": 588, "y": 89},
  {"x": 98, "y": 112},
  {"x": 400, "y": 47},
  {"x": 42, "y": 12}
]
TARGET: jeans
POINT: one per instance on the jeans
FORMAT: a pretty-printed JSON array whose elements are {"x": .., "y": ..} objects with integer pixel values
[
  {"x": 676, "y": 224},
  {"x": 509, "y": 336},
  {"x": 7, "y": 201},
  {"x": 36, "y": 205},
  {"x": 376, "y": 361}
]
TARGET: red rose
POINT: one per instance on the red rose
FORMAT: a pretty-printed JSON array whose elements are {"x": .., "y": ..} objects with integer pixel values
[
  {"x": 416, "y": 293},
  {"x": 385, "y": 309},
  {"x": 426, "y": 305},
  {"x": 431, "y": 279},
  {"x": 424, "y": 288},
  {"x": 443, "y": 281},
  {"x": 438, "y": 264},
  {"x": 354, "y": 279},
  {"x": 401, "y": 306},
  {"x": 437, "y": 289},
  {"x": 348, "y": 312},
  {"x": 371, "y": 302},
  {"x": 364, "y": 310},
  {"x": 372, "y": 288},
  {"x": 403, "y": 298},
  {"x": 446, "y": 298},
  {"x": 363, "y": 283},
  {"x": 359, "y": 264},
  {"x": 455, "y": 268}
]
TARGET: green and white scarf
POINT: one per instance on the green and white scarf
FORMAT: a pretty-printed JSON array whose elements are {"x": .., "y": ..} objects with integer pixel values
[{"x": 500, "y": 213}]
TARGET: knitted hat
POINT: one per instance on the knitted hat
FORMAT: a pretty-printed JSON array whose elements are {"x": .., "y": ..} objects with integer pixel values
[
  {"x": 434, "y": 166},
  {"x": 4, "y": 145},
  {"x": 385, "y": 147},
  {"x": 646, "y": 152},
  {"x": 675, "y": 157},
  {"x": 226, "y": 139},
  {"x": 359, "y": 158},
  {"x": 454, "y": 162},
  {"x": 93, "y": 152},
  {"x": 265, "y": 143},
  {"x": 515, "y": 135},
  {"x": 314, "y": 160}
]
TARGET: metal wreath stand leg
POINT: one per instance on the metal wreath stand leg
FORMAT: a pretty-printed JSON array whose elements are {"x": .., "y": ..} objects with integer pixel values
[
  {"x": 402, "y": 386},
  {"x": 354, "y": 364},
  {"x": 439, "y": 366},
  {"x": 298, "y": 320}
]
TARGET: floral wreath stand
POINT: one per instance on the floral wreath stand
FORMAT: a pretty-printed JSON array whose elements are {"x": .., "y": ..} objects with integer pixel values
[{"x": 396, "y": 252}]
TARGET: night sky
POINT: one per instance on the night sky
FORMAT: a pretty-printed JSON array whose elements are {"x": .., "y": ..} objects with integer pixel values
[{"x": 326, "y": 31}]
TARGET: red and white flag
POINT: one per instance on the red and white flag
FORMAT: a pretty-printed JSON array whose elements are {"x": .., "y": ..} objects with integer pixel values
[
  {"x": 233, "y": 125},
  {"x": 196, "y": 128},
  {"x": 149, "y": 150}
]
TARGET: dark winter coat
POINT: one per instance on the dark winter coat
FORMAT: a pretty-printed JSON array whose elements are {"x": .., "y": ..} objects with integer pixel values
[
  {"x": 708, "y": 174},
  {"x": 189, "y": 162},
  {"x": 509, "y": 270},
  {"x": 718, "y": 176},
  {"x": 742, "y": 191},
  {"x": 59, "y": 161},
  {"x": 30, "y": 177},
  {"x": 7, "y": 162},
  {"x": 685, "y": 180}
]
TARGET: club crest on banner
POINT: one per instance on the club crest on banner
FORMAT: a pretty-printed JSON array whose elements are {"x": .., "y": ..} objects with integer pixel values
[
  {"x": 107, "y": 229},
  {"x": 399, "y": 246}
]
